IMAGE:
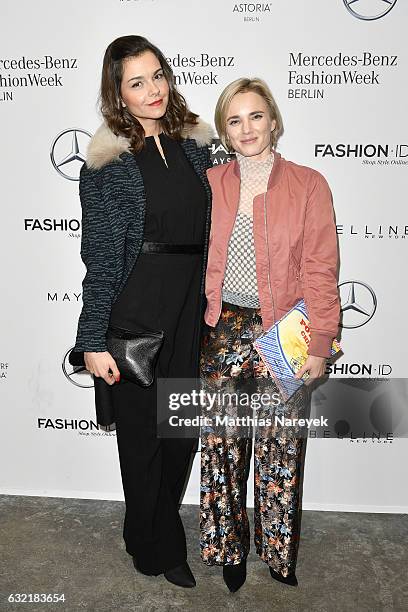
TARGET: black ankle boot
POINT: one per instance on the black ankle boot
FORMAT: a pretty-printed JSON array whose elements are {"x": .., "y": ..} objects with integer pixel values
[
  {"x": 234, "y": 575},
  {"x": 291, "y": 579},
  {"x": 181, "y": 576}
]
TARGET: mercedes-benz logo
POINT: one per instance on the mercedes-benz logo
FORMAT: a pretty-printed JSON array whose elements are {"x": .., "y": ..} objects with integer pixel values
[
  {"x": 77, "y": 375},
  {"x": 358, "y": 303},
  {"x": 369, "y": 9},
  {"x": 66, "y": 151}
]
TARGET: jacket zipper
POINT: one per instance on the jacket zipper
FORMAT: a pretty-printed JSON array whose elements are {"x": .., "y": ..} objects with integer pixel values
[
  {"x": 220, "y": 308},
  {"x": 297, "y": 266},
  {"x": 267, "y": 249},
  {"x": 219, "y": 311}
]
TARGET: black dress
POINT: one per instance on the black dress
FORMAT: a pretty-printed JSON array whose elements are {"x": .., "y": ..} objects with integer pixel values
[{"x": 162, "y": 292}]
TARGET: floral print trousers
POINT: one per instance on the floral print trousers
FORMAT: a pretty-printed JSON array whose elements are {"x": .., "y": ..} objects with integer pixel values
[{"x": 229, "y": 363}]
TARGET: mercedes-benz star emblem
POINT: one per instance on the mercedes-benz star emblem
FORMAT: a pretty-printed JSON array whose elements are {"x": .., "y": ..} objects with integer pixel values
[
  {"x": 77, "y": 375},
  {"x": 66, "y": 152},
  {"x": 369, "y": 9},
  {"x": 358, "y": 303}
]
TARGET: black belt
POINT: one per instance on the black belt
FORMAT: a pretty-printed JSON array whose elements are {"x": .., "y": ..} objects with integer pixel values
[{"x": 168, "y": 247}]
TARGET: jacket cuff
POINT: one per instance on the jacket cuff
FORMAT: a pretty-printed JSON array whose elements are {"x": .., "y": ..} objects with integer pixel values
[
  {"x": 320, "y": 345},
  {"x": 90, "y": 347}
]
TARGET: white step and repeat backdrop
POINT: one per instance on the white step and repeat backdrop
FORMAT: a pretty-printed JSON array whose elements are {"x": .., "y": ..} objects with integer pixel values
[{"x": 338, "y": 70}]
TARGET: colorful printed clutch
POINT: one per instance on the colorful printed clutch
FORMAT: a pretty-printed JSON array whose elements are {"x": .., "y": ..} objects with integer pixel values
[{"x": 283, "y": 348}]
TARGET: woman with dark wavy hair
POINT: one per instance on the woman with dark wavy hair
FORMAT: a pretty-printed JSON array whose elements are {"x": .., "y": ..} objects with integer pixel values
[{"x": 146, "y": 211}]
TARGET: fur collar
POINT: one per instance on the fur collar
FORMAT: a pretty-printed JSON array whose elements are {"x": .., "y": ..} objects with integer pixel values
[{"x": 105, "y": 146}]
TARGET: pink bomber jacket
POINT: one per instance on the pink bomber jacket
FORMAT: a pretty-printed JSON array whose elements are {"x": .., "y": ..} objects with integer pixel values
[{"x": 295, "y": 246}]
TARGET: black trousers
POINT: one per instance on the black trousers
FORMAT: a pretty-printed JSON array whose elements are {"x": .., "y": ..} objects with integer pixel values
[
  {"x": 162, "y": 292},
  {"x": 153, "y": 473}
]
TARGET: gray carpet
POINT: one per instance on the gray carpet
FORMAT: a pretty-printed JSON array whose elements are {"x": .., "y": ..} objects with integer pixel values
[{"x": 347, "y": 561}]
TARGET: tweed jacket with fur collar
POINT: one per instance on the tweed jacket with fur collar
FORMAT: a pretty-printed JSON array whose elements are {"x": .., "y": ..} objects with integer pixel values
[{"x": 113, "y": 205}]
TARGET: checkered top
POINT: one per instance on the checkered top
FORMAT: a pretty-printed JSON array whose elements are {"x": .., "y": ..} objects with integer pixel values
[{"x": 240, "y": 285}]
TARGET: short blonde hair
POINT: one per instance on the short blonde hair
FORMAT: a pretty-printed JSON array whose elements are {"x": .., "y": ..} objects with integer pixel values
[{"x": 244, "y": 85}]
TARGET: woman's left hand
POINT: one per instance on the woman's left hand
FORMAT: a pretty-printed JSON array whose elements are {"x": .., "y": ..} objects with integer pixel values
[{"x": 315, "y": 366}]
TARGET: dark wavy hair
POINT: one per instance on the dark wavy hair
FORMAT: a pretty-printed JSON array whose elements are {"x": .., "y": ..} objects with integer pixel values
[{"x": 117, "y": 117}]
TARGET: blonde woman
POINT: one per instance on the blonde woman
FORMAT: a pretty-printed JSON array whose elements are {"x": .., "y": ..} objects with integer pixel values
[{"x": 272, "y": 242}]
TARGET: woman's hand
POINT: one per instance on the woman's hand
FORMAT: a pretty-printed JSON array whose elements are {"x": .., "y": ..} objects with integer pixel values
[
  {"x": 315, "y": 366},
  {"x": 99, "y": 364}
]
